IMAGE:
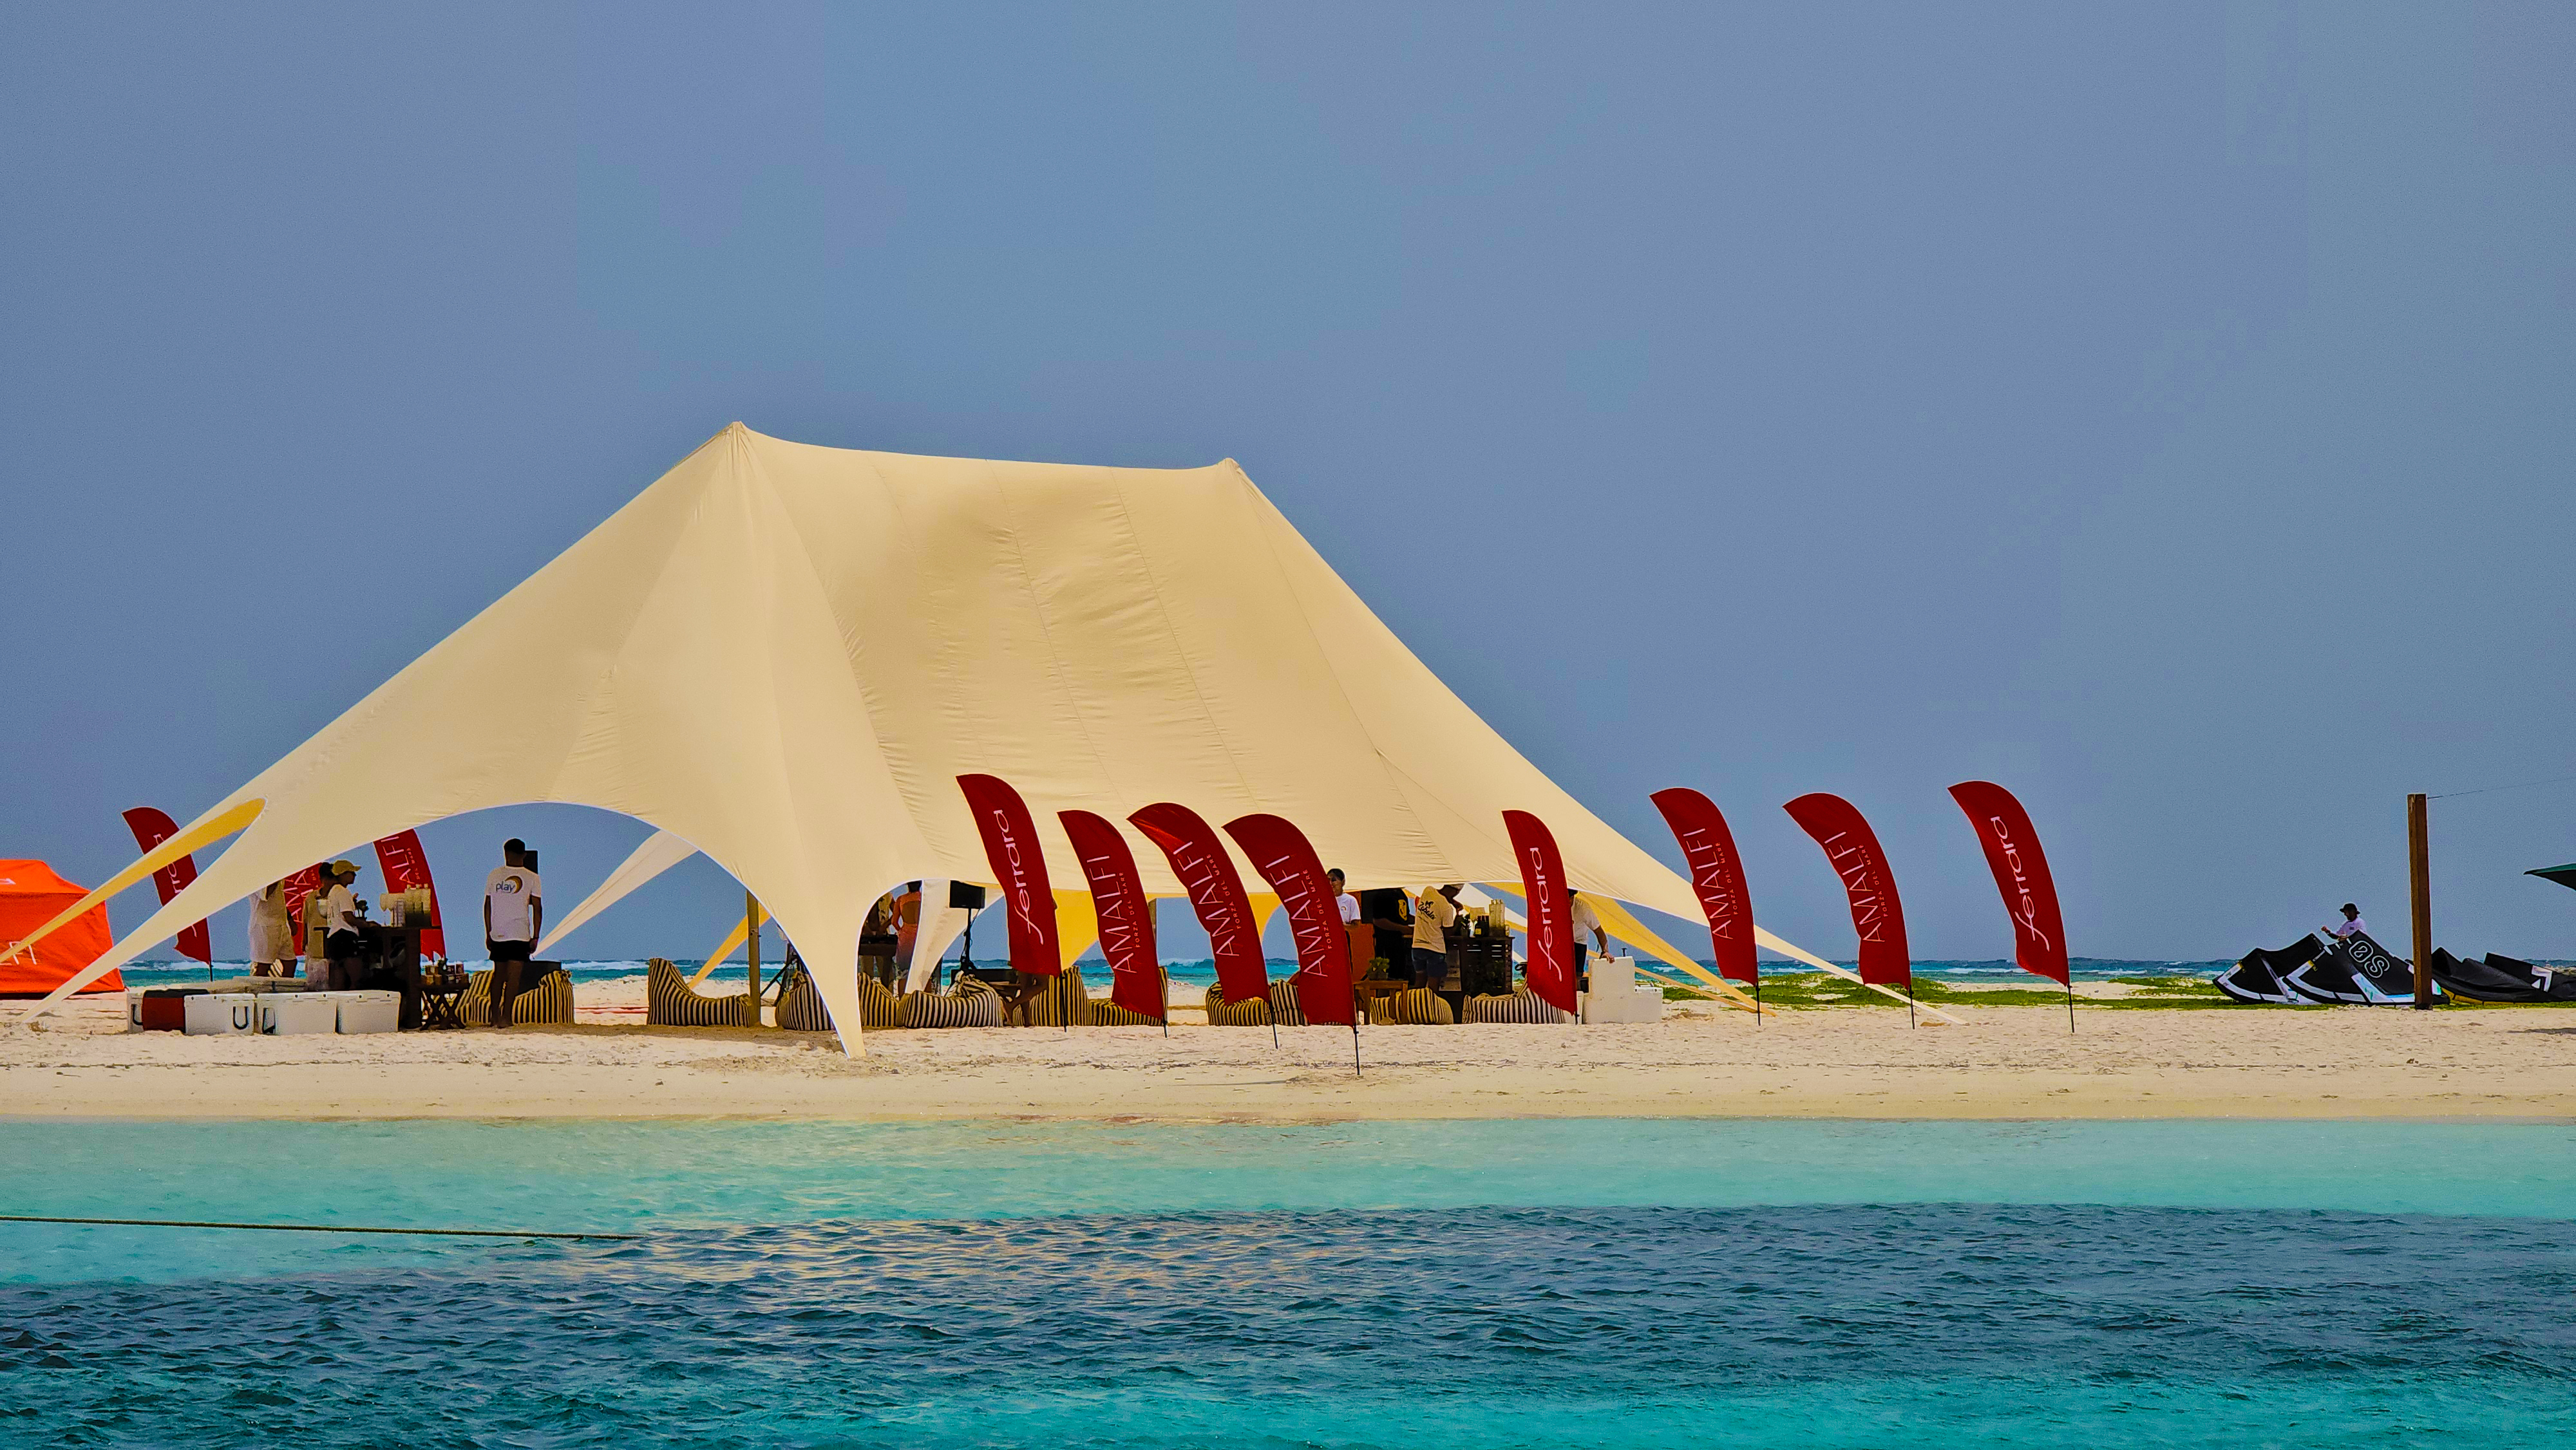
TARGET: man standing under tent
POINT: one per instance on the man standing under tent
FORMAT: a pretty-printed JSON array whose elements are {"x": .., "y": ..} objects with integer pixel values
[
  {"x": 339, "y": 920},
  {"x": 2353, "y": 925},
  {"x": 1584, "y": 921},
  {"x": 272, "y": 935},
  {"x": 514, "y": 915},
  {"x": 1432, "y": 914},
  {"x": 1350, "y": 904}
]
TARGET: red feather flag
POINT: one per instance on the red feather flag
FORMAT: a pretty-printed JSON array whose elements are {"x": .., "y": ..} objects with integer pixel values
[
  {"x": 1011, "y": 847},
  {"x": 1216, "y": 893},
  {"x": 405, "y": 865},
  {"x": 1550, "y": 911},
  {"x": 2021, "y": 874},
  {"x": 1717, "y": 875},
  {"x": 1126, "y": 914},
  {"x": 152, "y": 827},
  {"x": 1877, "y": 915},
  {"x": 1287, "y": 860}
]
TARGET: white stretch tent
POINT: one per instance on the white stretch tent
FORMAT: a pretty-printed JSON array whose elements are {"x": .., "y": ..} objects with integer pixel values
[{"x": 786, "y": 655}]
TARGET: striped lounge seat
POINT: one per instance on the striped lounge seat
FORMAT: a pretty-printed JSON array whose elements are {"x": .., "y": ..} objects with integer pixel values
[
  {"x": 1281, "y": 1008},
  {"x": 1521, "y": 1006},
  {"x": 969, "y": 1003},
  {"x": 1414, "y": 1007},
  {"x": 1046, "y": 1009},
  {"x": 1223, "y": 1013},
  {"x": 800, "y": 1007},
  {"x": 669, "y": 1002},
  {"x": 547, "y": 1001}
]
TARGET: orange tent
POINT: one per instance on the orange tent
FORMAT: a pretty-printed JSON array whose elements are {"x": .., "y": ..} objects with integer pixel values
[{"x": 31, "y": 895}]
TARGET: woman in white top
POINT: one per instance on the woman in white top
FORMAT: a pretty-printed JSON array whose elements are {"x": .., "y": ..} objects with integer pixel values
[{"x": 272, "y": 936}]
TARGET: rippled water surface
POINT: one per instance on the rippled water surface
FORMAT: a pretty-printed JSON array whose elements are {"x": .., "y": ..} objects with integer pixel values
[{"x": 1602, "y": 1283}]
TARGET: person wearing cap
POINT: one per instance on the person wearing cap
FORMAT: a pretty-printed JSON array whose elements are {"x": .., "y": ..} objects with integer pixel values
[
  {"x": 2353, "y": 925},
  {"x": 342, "y": 943},
  {"x": 514, "y": 913}
]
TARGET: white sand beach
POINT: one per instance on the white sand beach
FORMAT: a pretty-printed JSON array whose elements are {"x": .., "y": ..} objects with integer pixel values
[{"x": 2005, "y": 1062}]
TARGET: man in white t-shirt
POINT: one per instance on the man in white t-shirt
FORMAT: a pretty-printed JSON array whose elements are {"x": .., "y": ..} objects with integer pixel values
[
  {"x": 2352, "y": 923},
  {"x": 1585, "y": 922},
  {"x": 333, "y": 913},
  {"x": 1349, "y": 904},
  {"x": 514, "y": 916}
]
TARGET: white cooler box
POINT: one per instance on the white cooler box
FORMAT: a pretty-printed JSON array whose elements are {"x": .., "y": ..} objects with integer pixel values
[
  {"x": 222, "y": 1014},
  {"x": 1616, "y": 997},
  {"x": 295, "y": 1014},
  {"x": 369, "y": 1011}
]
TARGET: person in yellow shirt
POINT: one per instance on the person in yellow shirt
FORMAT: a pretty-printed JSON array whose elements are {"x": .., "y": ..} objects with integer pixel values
[{"x": 1433, "y": 913}]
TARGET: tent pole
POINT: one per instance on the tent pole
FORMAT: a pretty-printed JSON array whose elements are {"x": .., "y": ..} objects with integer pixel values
[
  {"x": 2419, "y": 890},
  {"x": 2070, "y": 1004},
  {"x": 1757, "y": 997},
  {"x": 1909, "y": 1001},
  {"x": 751, "y": 932}
]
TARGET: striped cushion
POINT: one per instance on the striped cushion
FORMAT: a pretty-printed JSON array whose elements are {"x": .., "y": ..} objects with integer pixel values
[
  {"x": 801, "y": 1009},
  {"x": 1046, "y": 1008},
  {"x": 546, "y": 1001},
  {"x": 1521, "y": 1006},
  {"x": 669, "y": 1002},
  {"x": 1418, "y": 1007},
  {"x": 1283, "y": 1003},
  {"x": 968, "y": 1004},
  {"x": 1222, "y": 1013}
]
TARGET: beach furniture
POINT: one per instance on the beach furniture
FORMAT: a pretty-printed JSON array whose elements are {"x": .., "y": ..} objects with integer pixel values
[
  {"x": 1046, "y": 1007},
  {"x": 222, "y": 1014},
  {"x": 1521, "y": 1005},
  {"x": 545, "y": 1002},
  {"x": 158, "y": 1009},
  {"x": 969, "y": 1002},
  {"x": 1281, "y": 1008},
  {"x": 801, "y": 1009},
  {"x": 298, "y": 1014},
  {"x": 1412, "y": 1007},
  {"x": 1614, "y": 995},
  {"x": 669, "y": 1002},
  {"x": 373, "y": 1011}
]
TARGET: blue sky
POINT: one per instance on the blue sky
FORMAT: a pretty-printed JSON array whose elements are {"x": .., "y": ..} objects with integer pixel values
[{"x": 2163, "y": 410}]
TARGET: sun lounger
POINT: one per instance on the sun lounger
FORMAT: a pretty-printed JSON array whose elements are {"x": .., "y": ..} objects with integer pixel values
[
  {"x": 547, "y": 1001},
  {"x": 1523, "y": 1006},
  {"x": 1413, "y": 1007},
  {"x": 668, "y": 1002},
  {"x": 800, "y": 1006},
  {"x": 968, "y": 1003},
  {"x": 1046, "y": 1007}
]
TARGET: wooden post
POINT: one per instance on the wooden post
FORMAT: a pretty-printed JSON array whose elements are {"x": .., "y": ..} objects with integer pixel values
[
  {"x": 751, "y": 931},
  {"x": 2419, "y": 889}
]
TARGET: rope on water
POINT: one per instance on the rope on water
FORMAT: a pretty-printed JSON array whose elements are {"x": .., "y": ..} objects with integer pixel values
[{"x": 312, "y": 1228}]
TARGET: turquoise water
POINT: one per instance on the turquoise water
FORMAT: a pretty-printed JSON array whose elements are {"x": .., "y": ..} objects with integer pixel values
[{"x": 1621, "y": 1282}]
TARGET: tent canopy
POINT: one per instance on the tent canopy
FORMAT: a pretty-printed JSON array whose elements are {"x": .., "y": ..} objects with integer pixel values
[
  {"x": 785, "y": 655},
  {"x": 31, "y": 894}
]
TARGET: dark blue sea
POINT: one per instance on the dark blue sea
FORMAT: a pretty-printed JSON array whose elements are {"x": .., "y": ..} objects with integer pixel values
[{"x": 1614, "y": 1282}]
